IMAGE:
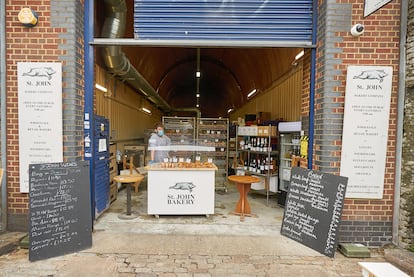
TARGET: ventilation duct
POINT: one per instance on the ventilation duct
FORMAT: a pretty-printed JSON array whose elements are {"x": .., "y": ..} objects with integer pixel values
[{"x": 115, "y": 59}]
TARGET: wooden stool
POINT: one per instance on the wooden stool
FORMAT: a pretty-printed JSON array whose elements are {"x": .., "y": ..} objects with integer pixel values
[
  {"x": 132, "y": 171},
  {"x": 243, "y": 186},
  {"x": 129, "y": 180}
]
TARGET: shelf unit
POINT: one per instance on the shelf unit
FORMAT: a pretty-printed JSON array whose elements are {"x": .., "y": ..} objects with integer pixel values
[
  {"x": 215, "y": 132},
  {"x": 264, "y": 157}
]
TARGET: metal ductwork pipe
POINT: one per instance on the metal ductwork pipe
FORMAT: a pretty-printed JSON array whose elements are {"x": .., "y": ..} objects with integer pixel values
[
  {"x": 115, "y": 59},
  {"x": 192, "y": 110}
]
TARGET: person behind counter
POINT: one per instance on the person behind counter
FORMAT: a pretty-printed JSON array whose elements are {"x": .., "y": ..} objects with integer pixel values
[{"x": 158, "y": 138}]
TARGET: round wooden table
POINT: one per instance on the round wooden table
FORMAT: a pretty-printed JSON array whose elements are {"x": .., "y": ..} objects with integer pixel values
[
  {"x": 129, "y": 180},
  {"x": 243, "y": 186}
]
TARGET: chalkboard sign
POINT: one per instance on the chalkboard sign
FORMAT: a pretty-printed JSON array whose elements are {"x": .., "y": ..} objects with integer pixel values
[
  {"x": 60, "y": 210},
  {"x": 314, "y": 208}
]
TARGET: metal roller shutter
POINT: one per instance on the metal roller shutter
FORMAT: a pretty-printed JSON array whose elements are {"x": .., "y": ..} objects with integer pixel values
[{"x": 261, "y": 21}]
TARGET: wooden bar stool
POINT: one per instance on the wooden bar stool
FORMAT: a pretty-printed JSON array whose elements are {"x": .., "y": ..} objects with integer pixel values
[
  {"x": 131, "y": 179},
  {"x": 128, "y": 180},
  {"x": 130, "y": 165},
  {"x": 243, "y": 186}
]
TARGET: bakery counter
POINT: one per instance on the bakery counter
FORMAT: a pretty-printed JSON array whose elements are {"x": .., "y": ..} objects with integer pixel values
[{"x": 181, "y": 188}]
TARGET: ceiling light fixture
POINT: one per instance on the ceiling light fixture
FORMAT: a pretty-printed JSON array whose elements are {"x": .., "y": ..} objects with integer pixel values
[
  {"x": 198, "y": 74},
  {"x": 101, "y": 88},
  {"x": 300, "y": 55},
  {"x": 230, "y": 110},
  {"x": 145, "y": 110},
  {"x": 251, "y": 93}
]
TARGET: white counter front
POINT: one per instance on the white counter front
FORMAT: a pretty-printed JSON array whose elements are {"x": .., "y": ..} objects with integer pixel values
[{"x": 181, "y": 191}]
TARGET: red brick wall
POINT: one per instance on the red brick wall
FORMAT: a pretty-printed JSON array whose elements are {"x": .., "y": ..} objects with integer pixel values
[
  {"x": 379, "y": 45},
  {"x": 24, "y": 44},
  {"x": 336, "y": 50}
]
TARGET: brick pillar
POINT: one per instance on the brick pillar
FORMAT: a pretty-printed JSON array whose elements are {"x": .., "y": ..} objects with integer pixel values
[
  {"x": 367, "y": 221},
  {"x": 58, "y": 37}
]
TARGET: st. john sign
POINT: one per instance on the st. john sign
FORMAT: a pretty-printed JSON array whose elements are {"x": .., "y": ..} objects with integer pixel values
[
  {"x": 365, "y": 130},
  {"x": 40, "y": 116}
]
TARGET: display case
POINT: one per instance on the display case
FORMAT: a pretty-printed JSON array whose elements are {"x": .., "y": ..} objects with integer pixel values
[
  {"x": 182, "y": 132},
  {"x": 215, "y": 132},
  {"x": 257, "y": 154},
  {"x": 289, "y": 141}
]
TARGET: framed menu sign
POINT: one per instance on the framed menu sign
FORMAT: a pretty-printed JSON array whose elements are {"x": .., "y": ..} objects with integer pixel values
[
  {"x": 313, "y": 209},
  {"x": 365, "y": 130}
]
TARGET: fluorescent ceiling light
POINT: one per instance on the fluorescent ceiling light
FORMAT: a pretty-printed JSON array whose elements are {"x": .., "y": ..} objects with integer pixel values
[
  {"x": 300, "y": 55},
  {"x": 145, "y": 110},
  {"x": 198, "y": 74},
  {"x": 101, "y": 88},
  {"x": 251, "y": 93}
]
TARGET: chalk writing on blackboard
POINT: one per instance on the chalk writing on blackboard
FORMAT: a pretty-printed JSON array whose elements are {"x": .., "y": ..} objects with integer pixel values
[
  {"x": 60, "y": 214},
  {"x": 313, "y": 209}
]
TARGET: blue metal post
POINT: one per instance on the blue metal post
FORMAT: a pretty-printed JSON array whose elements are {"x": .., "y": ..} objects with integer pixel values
[{"x": 89, "y": 95}]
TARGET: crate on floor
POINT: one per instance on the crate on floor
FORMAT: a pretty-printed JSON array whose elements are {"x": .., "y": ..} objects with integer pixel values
[{"x": 113, "y": 191}]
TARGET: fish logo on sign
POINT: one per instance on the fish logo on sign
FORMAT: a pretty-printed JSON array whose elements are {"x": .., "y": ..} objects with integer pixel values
[
  {"x": 184, "y": 186},
  {"x": 372, "y": 75},
  {"x": 47, "y": 72}
]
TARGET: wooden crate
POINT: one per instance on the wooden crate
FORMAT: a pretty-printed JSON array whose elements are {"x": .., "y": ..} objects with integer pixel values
[
  {"x": 113, "y": 191},
  {"x": 112, "y": 150},
  {"x": 113, "y": 167}
]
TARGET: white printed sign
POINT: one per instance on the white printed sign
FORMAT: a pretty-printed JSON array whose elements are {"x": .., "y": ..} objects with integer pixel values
[
  {"x": 40, "y": 116},
  {"x": 365, "y": 130},
  {"x": 181, "y": 192},
  {"x": 371, "y": 6}
]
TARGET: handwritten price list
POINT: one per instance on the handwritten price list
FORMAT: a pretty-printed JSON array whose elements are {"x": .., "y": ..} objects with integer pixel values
[
  {"x": 313, "y": 209},
  {"x": 60, "y": 216}
]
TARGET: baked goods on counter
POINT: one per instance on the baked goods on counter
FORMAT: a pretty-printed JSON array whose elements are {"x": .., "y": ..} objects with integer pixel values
[{"x": 196, "y": 164}]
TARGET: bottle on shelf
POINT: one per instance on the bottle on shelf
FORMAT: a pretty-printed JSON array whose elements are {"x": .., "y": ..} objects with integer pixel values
[
  {"x": 267, "y": 165},
  {"x": 272, "y": 166},
  {"x": 262, "y": 166}
]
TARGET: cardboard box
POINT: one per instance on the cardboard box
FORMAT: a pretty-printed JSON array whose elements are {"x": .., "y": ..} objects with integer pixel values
[
  {"x": 247, "y": 131},
  {"x": 261, "y": 185},
  {"x": 265, "y": 131}
]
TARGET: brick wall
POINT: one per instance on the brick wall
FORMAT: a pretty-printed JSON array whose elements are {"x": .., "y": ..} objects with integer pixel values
[
  {"x": 364, "y": 220},
  {"x": 56, "y": 38}
]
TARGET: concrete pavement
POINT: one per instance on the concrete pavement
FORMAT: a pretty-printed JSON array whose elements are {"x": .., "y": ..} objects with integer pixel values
[
  {"x": 130, "y": 254},
  {"x": 218, "y": 245}
]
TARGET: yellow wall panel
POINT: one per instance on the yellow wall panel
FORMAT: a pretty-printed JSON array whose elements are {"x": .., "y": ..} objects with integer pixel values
[
  {"x": 122, "y": 106},
  {"x": 282, "y": 100}
]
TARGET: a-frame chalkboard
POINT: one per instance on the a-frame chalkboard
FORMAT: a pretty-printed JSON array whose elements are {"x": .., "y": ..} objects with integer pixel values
[
  {"x": 60, "y": 219},
  {"x": 314, "y": 208}
]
